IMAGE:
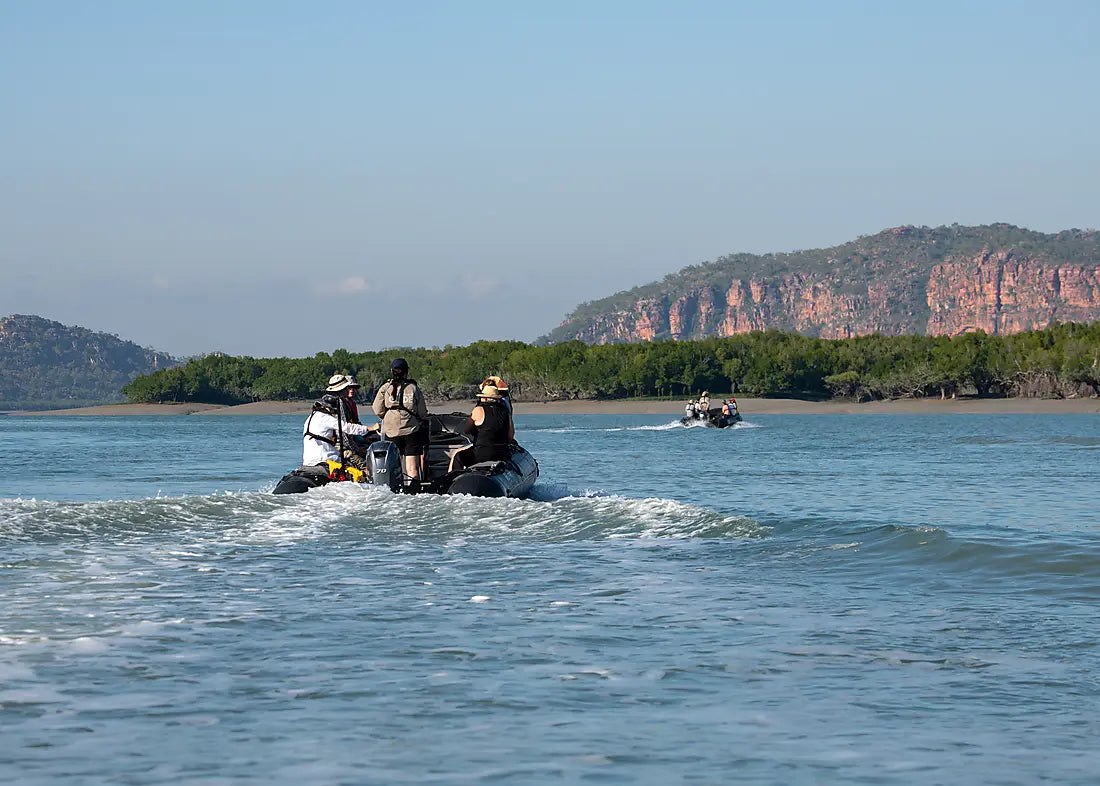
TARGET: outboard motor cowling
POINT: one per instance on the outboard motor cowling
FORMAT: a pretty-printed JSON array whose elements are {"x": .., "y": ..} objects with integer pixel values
[{"x": 384, "y": 465}]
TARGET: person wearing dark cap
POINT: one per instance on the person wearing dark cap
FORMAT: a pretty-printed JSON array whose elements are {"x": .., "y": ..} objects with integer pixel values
[{"x": 404, "y": 412}]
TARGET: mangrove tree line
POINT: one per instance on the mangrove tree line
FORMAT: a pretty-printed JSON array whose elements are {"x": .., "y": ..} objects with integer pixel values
[{"x": 1062, "y": 360}]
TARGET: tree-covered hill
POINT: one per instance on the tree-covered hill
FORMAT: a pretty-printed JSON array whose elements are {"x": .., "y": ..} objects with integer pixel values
[{"x": 44, "y": 364}]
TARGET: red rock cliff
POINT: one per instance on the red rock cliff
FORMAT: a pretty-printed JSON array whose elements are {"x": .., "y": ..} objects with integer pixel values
[{"x": 903, "y": 281}]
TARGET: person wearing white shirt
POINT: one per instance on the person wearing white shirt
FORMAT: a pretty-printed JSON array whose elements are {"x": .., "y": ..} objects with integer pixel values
[{"x": 322, "y": 430}]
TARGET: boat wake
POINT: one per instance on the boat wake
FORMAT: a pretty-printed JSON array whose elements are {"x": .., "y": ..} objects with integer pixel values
[
  {"x": 554, "y": 513},
  {"x": 674, "y": 425}
]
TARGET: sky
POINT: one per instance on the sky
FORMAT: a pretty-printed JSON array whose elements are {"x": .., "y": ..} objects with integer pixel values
[{"x": 285, "y": 178}]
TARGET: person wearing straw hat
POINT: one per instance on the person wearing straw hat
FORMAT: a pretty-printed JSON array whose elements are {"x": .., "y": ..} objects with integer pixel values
[
  {"x": 502, "y": 388},
  {"x": 490, "y": 425}
]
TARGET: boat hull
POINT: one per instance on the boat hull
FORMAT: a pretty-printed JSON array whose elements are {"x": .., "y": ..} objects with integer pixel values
[{"x": 712, "y": 419}]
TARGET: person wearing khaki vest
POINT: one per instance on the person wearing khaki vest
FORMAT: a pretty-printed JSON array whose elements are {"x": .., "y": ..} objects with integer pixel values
[{"x": 404, "y": 414}]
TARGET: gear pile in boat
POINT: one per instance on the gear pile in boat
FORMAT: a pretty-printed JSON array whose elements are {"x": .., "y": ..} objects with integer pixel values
[{"x": 450, "y": 466}]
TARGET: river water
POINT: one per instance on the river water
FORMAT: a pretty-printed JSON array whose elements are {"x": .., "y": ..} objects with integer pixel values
[{"x": 801, "y": 599}]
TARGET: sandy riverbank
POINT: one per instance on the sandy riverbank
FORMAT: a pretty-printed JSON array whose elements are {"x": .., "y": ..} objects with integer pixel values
[{"x": 749, "y": 407}]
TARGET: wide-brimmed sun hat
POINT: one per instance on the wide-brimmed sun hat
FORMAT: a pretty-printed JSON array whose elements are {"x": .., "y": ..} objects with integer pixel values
[
  {"x": 496, "y": 382},
  {"x": 338, "y": 382},
  {"x": 489, "y": 391}
]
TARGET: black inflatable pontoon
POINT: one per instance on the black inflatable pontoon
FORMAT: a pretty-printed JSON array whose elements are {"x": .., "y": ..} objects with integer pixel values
[{"x": 712, "y": 418}]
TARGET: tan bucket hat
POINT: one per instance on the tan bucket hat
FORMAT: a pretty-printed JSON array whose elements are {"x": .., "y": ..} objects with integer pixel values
[
  {"x": 338, "y": 382},
  {"x": 489, "y": 391}
]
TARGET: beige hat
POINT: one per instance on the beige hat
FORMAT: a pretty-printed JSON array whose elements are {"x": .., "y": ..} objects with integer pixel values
[
  {"x": 489, "y": 391},
  {"x": 338, "y": 382},
  {"x": 499, "y": 383}
]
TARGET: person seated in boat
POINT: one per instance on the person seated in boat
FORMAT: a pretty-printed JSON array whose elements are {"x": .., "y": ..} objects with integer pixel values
[
  {"x": 502, "y": 388},
  {"x": 689, "y": 409},
  {"x": 704, "y": 404},
  {"x": 404, "y": 412},
  {"x": 732, "y": 404},
  {"x": 346, "y": 387},
  {"x": 327, "y": 434},
  {"x": 490, "y": 425}
]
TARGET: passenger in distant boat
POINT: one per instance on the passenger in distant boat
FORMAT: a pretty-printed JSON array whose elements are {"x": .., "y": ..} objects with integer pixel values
[
  {"x": 704, "y": 403},
  {"x": 491, "y": 426},
  {"x": 733, "y": 405},
  {"x": 404, "y": 412},
  {"x": 328, "y": 423},
  {"x": 689, "y": 409},
  {"x": 502, "y": 388}
]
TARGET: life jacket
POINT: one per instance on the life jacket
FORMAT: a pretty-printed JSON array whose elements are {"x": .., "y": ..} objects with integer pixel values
[
  {"x": 330, "y": 405},
  {"x": 397, "y": 388},
  {"x": 338, "y": 471}
]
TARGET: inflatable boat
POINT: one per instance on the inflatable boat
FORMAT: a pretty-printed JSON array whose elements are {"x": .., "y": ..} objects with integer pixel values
[
  {"x": 449, "y": 451},
  {"x": 712, "y": 418}
]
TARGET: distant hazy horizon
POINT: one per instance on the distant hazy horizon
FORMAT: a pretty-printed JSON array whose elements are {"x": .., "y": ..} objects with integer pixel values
[{"x": 283, "y": 179}]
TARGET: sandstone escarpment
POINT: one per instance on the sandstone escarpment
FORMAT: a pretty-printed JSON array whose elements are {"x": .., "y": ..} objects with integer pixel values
[
  {"x": 1002, "y": 292},
  {"x": 907, "y": 280}
]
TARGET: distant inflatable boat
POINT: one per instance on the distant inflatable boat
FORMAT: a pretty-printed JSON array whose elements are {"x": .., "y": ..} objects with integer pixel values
[
  {"x": 712, "y": 418},
  {"x": 448, "y": 473}
]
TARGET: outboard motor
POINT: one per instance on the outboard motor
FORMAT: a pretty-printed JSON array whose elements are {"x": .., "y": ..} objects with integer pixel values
[{"x": 384, "y": 465}]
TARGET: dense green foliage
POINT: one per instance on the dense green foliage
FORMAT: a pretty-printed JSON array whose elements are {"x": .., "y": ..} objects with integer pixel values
[
  {"x": 1059, "y": 361},
  {"x": 901, "y": 254},
  {"x": 47, "y": 365}
]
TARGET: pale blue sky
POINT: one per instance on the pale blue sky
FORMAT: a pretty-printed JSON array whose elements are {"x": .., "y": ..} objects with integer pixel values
[{"x": 288, "y": 177}]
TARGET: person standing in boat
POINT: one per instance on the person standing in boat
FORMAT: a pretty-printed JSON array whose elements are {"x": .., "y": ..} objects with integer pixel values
[
  {"x": 404, "y": 412},
  {"x": 704, "y": 404},
  {"x": 491, "y": 426}
]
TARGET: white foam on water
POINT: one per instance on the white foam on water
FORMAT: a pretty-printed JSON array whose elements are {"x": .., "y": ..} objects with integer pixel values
[
  {"x": 88, "y": 645},
  {"x": 184, "y": 528},
  {"x": 479, "y": 599},
  {"x": 663, "y": 427}
]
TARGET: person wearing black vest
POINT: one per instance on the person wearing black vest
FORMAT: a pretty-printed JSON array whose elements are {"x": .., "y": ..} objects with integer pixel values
[{"x": 491, "y": 426}]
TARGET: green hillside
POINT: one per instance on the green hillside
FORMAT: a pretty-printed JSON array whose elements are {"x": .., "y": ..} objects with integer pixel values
[{"x": 45, "y": 365}]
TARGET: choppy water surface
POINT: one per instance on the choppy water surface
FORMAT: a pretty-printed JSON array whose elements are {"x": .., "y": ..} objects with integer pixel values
[{"x": 848, "y": 599}]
